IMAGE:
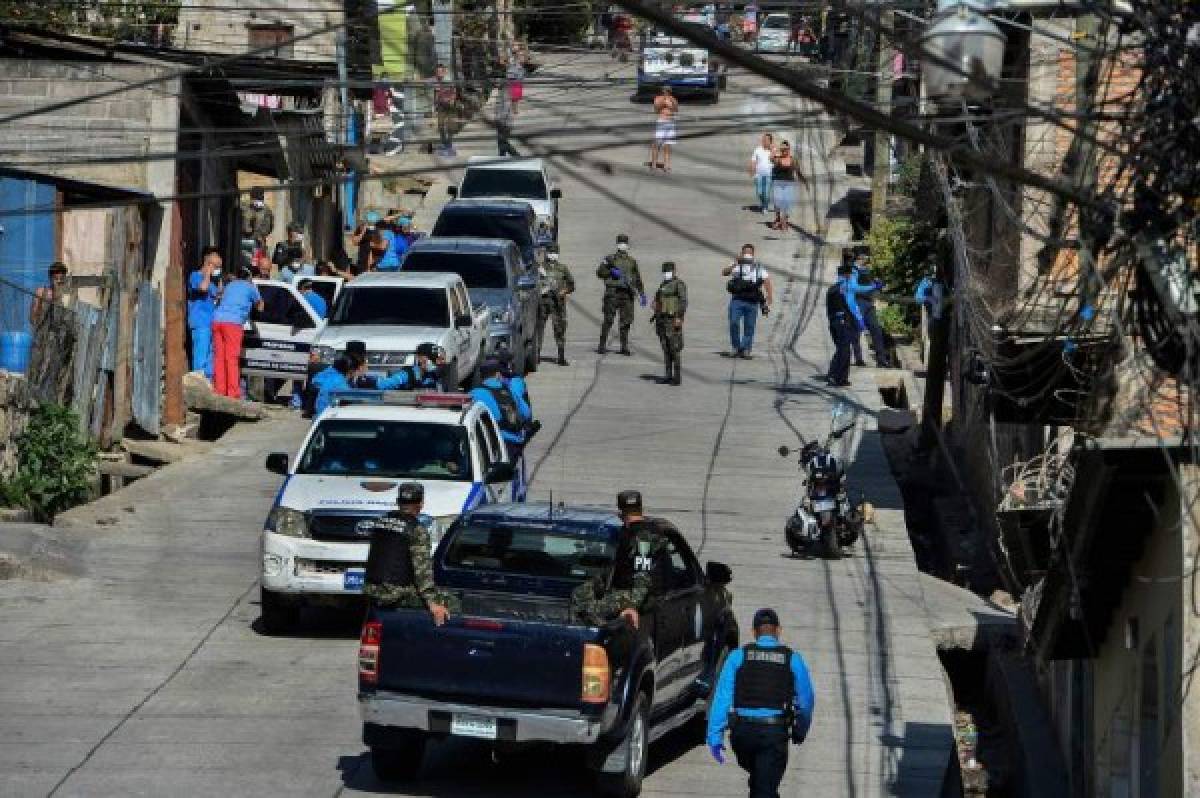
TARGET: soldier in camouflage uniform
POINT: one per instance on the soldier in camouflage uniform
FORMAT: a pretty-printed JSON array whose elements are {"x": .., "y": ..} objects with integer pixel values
[
  {"x": 670, "y": 304},
  {"x": 400, "y": 561},
  {"x": 636, "y": 577},
  {"x": 556, "y": 283},
  {"x": 622, "y": 280},
  {"x": 257, "y": 220}
]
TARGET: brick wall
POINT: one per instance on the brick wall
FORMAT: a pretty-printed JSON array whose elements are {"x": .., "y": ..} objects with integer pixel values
[{"x": 210, "y": 26}]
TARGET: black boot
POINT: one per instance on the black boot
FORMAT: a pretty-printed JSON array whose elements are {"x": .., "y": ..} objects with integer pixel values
[
  {"x": 562, "y": 355},
  {"x": 625, "y": 344},
  {"x": 677, "y": 379},
  {"x": 603, "y": 347}
]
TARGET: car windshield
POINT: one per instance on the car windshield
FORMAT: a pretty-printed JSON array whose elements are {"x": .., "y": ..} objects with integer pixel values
[
  {"x": 781, "y": 23},
  {"x": 410, "y": 307},
  {"x": 391, "y": 449},
  {"x": 527, "y": 551},
  {"x": 485, "y": 225},
  {"x": 478, "y": 270},
  {"x": 519, "y": 183}
]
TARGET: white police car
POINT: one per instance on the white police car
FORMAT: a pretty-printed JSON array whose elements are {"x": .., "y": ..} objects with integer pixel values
[{"x": 353, "y": 458}]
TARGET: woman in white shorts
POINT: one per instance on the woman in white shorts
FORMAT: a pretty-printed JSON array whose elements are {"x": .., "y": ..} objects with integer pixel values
[{"x": 666, "y": 106}]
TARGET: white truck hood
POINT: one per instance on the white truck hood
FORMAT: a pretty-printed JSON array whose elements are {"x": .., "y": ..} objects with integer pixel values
[
  {"x": 310, "y": 492},
  {"x": 381, "y": 337}
]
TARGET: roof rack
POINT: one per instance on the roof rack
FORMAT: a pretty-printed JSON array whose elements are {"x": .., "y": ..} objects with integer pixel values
[{"x": 360, "y": 396}]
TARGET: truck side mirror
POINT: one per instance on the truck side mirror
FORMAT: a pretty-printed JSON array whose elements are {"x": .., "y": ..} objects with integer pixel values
[
  {"x": 452, "y": 191},
  {"x": 499, "y": 472},
  {"x": 718, "y": 573},
  {"x": 462, "y": 320},
  {"x": 277, "y": 463},
  {"x": 556, "y": 193}
]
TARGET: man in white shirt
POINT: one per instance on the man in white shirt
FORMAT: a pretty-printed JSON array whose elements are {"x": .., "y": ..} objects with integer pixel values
[
  {"x": 749, "y": 289},
  {"x": 760, "y": 169}
]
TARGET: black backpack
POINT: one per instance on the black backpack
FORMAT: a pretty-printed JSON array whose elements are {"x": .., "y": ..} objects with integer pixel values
[{"x": 510, "y": 415}]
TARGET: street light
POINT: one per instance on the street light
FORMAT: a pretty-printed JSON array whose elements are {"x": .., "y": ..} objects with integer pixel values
[{"x": 963, "y": 53}]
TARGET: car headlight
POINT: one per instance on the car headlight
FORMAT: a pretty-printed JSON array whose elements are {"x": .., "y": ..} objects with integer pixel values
[
  {"x": 287, "y": 522},
  {"x": 503, "y": 316},
  {"x": 324, "y": 354}
]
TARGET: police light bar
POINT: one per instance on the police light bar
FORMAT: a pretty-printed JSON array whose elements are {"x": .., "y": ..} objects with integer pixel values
[{"x": 370, "y": 396}]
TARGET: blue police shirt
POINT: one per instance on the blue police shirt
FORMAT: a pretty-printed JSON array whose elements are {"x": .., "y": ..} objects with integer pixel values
[
  {"x": 390, "y": 260},
  {"x": 722, "y": 703},
  {"x": 327, "y": 381},
  {"x": 317, "y": 303},
  {"x": 851, "y": 289},
  {"x": 484, "y": 397},
  {"x": 201, "y": 303},
  {"x": 403, "y": 380},
  {"x": 237, "y": 300},
  {"x": 520, "y": 392}
]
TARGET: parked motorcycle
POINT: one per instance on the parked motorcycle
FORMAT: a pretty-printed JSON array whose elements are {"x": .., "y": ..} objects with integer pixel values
[{"x": 824, "y": 520}]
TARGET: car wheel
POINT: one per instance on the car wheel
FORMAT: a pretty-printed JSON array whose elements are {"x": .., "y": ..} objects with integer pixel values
[
  {"x": 398, "y": 764},
  {"x": 278, "y": 614},
  {"x": 628, "y": 783}
]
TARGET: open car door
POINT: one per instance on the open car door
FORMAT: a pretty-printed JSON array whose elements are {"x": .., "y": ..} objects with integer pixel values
[{"x": 278, "y": 338}]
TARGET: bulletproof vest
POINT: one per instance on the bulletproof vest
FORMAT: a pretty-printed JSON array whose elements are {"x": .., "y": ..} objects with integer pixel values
[
  {"x": 633, "y": 557},
  {"x": 554, "y": 280},
  {"x": 765, "y": 679},
  {"x": 625, "y": 262},
  {"x": 510, "y": 416},
  {"x": 390, "y": 557},
  {"x": 835, "y": 303},
  {"x": 669, "y": 302},
  {"x": 747, "y": 285}
]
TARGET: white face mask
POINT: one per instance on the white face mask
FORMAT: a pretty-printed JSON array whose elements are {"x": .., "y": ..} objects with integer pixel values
[
  {"x": 258, "y": 203},
  {"x": 552, "y": 257},
  {"x": 622, "y": 247},
  {"x": 216, "y": 273},
  {"x": 668, "y": 275}
]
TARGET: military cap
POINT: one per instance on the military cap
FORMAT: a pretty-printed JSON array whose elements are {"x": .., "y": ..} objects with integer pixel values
[
  {"x": 428, "y": 350},
  {"x": 668, "y": 266},
  {"x": 622, "y": 239},
  {"x": 765, "y": 617},
  {"x": 257, "y": 193},
  {"x": 410, "y": 493},
  {"x": 552, "y": 247},
  {"x": 629, "y": 501},
  {"x": 356, "y": 348}
]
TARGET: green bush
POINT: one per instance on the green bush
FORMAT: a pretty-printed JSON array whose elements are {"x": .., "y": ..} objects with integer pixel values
[
  {"x": 55, "y": 464},
  {"x": 895, "y": 320},
  {"x": 900, "y": 249},
  {"x": 908, "y": 174}
]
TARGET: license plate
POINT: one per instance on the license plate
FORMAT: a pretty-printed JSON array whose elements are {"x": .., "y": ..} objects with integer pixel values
[
  {"x": 353, "y": 579},
  {"x": 473, "y": 726},
  {"x": 821, "y": 505}
]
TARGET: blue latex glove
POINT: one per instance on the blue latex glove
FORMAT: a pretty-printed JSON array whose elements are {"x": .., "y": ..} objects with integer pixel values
[
  {"x": 718, "y": 753},
  {"x": 615, "y": 272},
  {"x": 642, "y": 300}
]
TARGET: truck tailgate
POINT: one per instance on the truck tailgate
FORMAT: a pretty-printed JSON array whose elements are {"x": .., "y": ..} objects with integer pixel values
[{"x": 486, "y": 661}]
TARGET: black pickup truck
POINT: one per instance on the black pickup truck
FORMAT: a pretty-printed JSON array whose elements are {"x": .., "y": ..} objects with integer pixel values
[{"x": 514, "y": 666}]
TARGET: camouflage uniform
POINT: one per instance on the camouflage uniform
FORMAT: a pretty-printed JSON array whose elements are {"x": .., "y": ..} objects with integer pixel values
[
  {"x": 422, "y": 592},
  {"x": 257, "y": 223},
  {"x": 670, "y": 305},
  {"x": 618, "y": 295},
  {"x": 596, "y": 601},
  {"x": 556, "y": 283}
]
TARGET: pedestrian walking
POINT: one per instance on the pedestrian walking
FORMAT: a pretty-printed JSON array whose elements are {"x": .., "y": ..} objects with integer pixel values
[
  {"x": 238, "y": 299},
  {"x": 556, "y": 284},
  {"x": 750, "y": 290},
  {"x": 622, "y": 281},
  {"x": 870, "y": 288},
  {"x": 842, "y": 328},
  {"x": 445, "y": 106},
  {"x": 399, "y": 570},
  {"x": 670, "y": 305},
  {"x": 764, "y": 697},
  {"x": 665, "y": 109},
  {"x": 761, "y": 167},
  {"x": 514, "y": 73},
  {"x": 506, "y": 110},
  {"x": 784, "y": 176},
  {"x": 201, "y": 302},
  {"x": 637, "y": 571}
]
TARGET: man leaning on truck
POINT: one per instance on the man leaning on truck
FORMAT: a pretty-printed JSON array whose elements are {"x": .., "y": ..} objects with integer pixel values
[{"x": 400, "y": 561}]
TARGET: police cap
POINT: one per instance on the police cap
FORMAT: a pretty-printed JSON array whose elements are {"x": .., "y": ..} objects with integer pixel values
[
  {"x": 622, "y": 239},
  {"x": 668, "y": 266},
  {"x": 629, "y": 501},
  {"x": 428, "y": 350},
  {"x": 765, "y": 617},
  {"x": 356, "y": 348},
  {"x": 410, "y": 493}
]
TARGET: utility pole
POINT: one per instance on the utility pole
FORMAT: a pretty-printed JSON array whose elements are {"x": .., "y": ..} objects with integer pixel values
[{"x": 881, "y": 169}]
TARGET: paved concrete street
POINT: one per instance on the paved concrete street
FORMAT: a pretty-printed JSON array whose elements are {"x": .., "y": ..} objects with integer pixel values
[{"x": 147, "y": 676}]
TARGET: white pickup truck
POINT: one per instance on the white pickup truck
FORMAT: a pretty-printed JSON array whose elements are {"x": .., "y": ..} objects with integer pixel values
[
  {"x": 347, "y": 471},
  {"x": 395, "y": 312}
]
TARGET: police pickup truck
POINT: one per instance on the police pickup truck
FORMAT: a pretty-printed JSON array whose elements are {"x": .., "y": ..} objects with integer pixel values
[
  {"x": 395, "y": 312},
  {"x": 674, "y": 61},
  {"x": 515, "y": 666},
  {"x": 349, "y": 465}
]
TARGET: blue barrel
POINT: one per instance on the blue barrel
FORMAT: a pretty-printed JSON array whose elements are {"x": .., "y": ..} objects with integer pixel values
[{"x": 14, "y": 351}]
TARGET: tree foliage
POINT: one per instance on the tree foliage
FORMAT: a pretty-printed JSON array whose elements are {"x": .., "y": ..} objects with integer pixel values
[
  {"x": 55, "y": 464},
  {"x": 120, "y": 20}
]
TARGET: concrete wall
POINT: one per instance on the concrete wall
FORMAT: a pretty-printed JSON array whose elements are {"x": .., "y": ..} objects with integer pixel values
[
  {"x": 129, "y": 125},
  {"x": 1121, "y": 671},
  {"x": 210, "y": 25}
]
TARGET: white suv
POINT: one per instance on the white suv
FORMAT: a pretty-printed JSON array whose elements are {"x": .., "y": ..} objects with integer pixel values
[
  {"x": 524, "y": 179},
  {"x": 347, "y": 471}
]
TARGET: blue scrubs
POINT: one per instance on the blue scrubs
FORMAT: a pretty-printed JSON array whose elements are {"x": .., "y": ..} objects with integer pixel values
[{"x": 201, "y": 305}]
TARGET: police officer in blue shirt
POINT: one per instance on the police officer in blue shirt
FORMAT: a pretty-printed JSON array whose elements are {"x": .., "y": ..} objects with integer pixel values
[
  {"x": 843, "y": 328},
  {"x": 765, "y": 697}
]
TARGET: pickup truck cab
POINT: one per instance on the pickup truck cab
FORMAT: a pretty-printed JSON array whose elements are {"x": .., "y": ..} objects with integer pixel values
[
  {"x": 674, "y": 61},
  {"x": 510, "y": 219},
  {"x": 495, "y": 276},
  {"x": 524, "y": 179},
  {"x": 347, "y": 470},
  {"x": 395, "y": 312},
  {"x": 515, "y": 665}
]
